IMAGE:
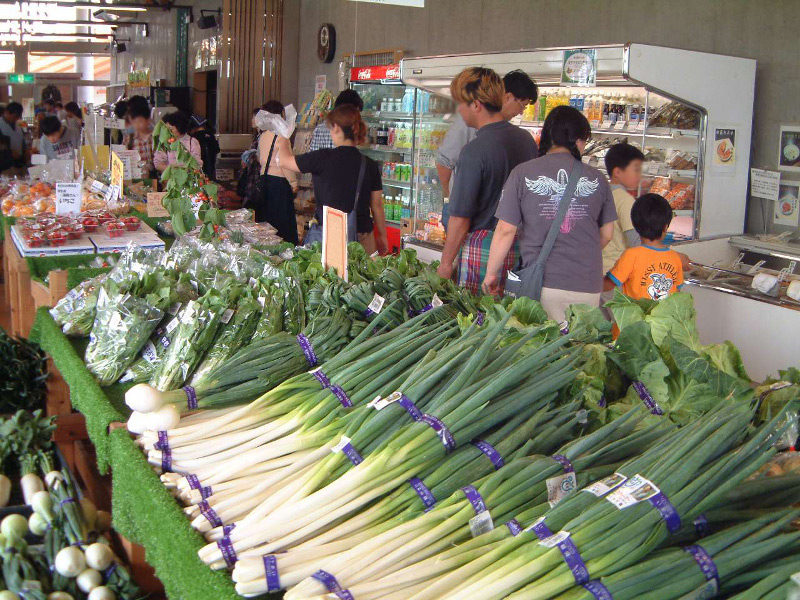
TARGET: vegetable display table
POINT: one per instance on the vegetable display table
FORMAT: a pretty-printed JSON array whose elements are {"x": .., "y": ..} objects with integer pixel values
[{"x": 142, "y": 508}]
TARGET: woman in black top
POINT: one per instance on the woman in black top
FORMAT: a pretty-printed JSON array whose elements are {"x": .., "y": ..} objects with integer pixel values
[{"x": 336, "y": 176}]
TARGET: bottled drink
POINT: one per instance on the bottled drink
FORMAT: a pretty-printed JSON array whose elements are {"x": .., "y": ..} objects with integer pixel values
[{"x": 408, "y": 100}]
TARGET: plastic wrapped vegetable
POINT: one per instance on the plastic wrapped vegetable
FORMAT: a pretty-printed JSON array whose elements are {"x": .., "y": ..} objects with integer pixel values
[
  {"x": 76, "y": 311},
  {"x": 127, "y": 313}
]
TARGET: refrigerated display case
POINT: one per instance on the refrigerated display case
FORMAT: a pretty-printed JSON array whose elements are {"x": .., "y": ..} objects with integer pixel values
[
  {"x": 404, "y": 128},
  {"x": 690, "y": 112}
]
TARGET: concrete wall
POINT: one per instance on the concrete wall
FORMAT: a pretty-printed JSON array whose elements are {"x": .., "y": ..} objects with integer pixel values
[{"x": 766, "y": 30}]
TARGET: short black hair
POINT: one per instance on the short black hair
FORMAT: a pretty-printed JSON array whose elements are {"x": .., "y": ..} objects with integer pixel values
[
  {"x": 15, "y": 108},
  {"x": 121, "y": 109},
  {"x": 180, "y": 120},
  {"x": 59, "y": 105},
  {"x": 274, "y": 106},
  {"x": 349, "y": 97},
  {"x": 521, "y": 86},
  {"x": 49, "y": 101},
  {"x": 564, "y": 126},
  {"x": 50, "y": 124},
  {"x": 619, "y": 156},
  {"x": 651, "y": 214},
  {"x": 140, "y": 105},
  {"x": 73, "y": 109}
]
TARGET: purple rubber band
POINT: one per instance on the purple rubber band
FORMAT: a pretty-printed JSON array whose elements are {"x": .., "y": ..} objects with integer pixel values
[
  {"x": 411, "y": 408},
  {"x": 701, "y": 526},
  {"x": 474, "y": 497},
  {"x": 423, "y": 492},
  {"x": 191, "y": 397},
  {"x": 166, "y": 460},
  {"x": 490, "y": 452},
  {"x": 163, "y": 441},
  {"x": 328, "y": 580},
  {"x": 602, "y": 403},
  {"x": 564, "y": 329},
  {"x": 352, "y": 454},
  {"x": 322, "y": 378},
  {"x": 226, "y": 529},
  {"x": 206, "y": 492},
  {"x": 541, "y": 530},
  {"x": 193, "y": 481},
  {"x": 667, "y": 510},
  {"x": 368, "y": 312},
  {"x": 271, "y": 571},
  {"x": 479, "y": 318},
  {"x": 441, "y": 430},
  {"x": 598, "y": 590},
  {"x": 574, "y": 561},
  {"x": 110, "y": 571},
  {"x": 228, "y": 552},
  {"x": 426, "y": 308},
  {"x": 341, "y": 396},
  {"x": 210, "y": 514},
  {"x": 514, "y": 527},
  {"x": 648, "y": 400},
  {"x": 67, "y": 501},
  {"x": 705, "y": 562},
  {"x": 305, "y": 345},
  {"x": 344, "y": 595},
  {"x": 564, "y": 462}
]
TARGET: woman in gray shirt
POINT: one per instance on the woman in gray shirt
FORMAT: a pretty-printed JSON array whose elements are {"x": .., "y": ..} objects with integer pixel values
[{"x": 530, "y": 200}]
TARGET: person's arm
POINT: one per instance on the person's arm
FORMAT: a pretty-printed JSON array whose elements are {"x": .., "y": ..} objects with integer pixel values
[
  {"x": 379, "y": 218},
  {"x": 502, "y": 240},
  {"x": 445, "y": 174},
  {"x": 196, "y": 151},
  {"x": 457, "y": 230},
  {"x": 608, "y": 285},
  {"x": 606, "y": 232},
  {"x": 632, "y": 238},
  {"x": 287, "y": 158},
  {"x": 160, "y": 160}
]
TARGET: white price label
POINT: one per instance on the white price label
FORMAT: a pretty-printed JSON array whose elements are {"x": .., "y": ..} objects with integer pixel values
[
  {"x": 436, "y": 302},
  {"x": 633, "y": 491},
  {"x": 226, "y": 316},
  {"x": 602, "y": 487},
  {"x": 606, "y": 125},
  {"x": 69, "y": 198},
  {"x": 112, "y": 194},
  {"x": 128, "y": 376},
  {"x": 377, "y": 304},
  {"x": 172, "y": 325},
  {"x": 640, "y": 126},
  {"x": 619, "y": 125},
  {"x": 380, "y": 403},
  {"x": 560, "y": 487},
  {"x": 98, "y": 187},
  {"x": 481, "y": 523},
  {"x": 340, "y": 446},
  {"x": 149, "y": 352},
  {"x": 253, "y": 282},
  {"x": 554, "y": 540}
]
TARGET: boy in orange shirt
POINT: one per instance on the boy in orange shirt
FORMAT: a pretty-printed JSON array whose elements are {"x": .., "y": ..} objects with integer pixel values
[{"x": 651, "y": 270}]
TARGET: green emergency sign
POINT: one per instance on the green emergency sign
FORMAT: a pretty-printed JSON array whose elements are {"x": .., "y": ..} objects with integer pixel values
[{"x": 20, "y": 78}]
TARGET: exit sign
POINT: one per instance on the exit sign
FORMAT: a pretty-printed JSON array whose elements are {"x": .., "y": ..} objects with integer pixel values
[{"x": 20, "y": 78}]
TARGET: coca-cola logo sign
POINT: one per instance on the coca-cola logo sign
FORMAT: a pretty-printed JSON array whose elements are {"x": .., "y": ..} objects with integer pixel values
[
  {"x": 365, "y": 73},
  {"x": 393, "y": 72}
]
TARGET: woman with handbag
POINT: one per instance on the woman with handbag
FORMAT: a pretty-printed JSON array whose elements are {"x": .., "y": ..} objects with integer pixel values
[
  {"x": 344, "y": 179},
  {"x": 277, "y": 185},
  {"x": 564, "y": 211}
]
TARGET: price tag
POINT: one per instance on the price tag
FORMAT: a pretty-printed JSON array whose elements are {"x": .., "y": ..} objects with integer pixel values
[
  {"x": 606, "y": 125},
  {"x": 98, "y": 187},
  {"x": 155, "y": 206},
  {"x": 619, "y": 125},
  {"x": 226, "y": 316},
  {"x": 640, "y": 126},
  {"x": 117, "y": 173},
  {"x": 633, "y": 491},
  {"x": 69, "y": 197},
  {"x": 481, "y": 523},
  {"x": 436, "y": 301},
  {"x": 149, "y": 352},
  {"x": 38, "y": 159},
  {"x": 554, "y": 540},
  {"x": 560, "y": 487},
  {"x": 172, "y": 325},
  {"x": 377, "y": 304},
  {"x": 602, "y": 487},
  {"x": 112, "y": 194},
  {"x": 224, "y": 174}
]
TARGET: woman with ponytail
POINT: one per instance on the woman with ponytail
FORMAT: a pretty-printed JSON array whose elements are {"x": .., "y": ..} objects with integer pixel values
[
  {"x": 573, "y": 268},
  {"x": 344, "y": 179}
]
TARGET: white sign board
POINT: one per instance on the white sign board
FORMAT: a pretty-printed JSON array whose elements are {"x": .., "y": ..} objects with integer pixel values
[
  {"x": 38, "y": 159},
  {"x": 765, "y": 184},
  {"x": 69, "y": 198},
  {"x": 320, "y": 83}
]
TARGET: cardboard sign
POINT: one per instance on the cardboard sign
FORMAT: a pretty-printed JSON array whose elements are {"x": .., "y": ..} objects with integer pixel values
[
  {"x": 765, "y": 184},
  {"x": 38, "y": 159},
  {"x": 69, "y": 198},
  {"x": 334, "y": 240},
  {"x": 155, "y": 208},
  {"x": 117, "y": 173}
]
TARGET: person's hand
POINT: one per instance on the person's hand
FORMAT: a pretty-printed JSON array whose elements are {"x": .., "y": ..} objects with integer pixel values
[
  {"x": 686, "y": 262},
  {"x": 382, "y": 243},
  {"x": 491, "y": 285},
  {"x": 445, "y": 271}
]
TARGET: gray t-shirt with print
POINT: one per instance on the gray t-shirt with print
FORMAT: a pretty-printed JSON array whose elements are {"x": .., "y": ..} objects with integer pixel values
[{"x": 530, "y": 201}]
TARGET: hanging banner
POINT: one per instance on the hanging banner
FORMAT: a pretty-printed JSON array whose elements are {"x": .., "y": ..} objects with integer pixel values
[
  {"x": 579, "y": 67},
  {"x": 376, "y": 73}
]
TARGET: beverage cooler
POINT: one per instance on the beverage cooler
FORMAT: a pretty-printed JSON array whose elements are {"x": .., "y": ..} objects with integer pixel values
[
  {"x": 405, "y": 126},
  {"x": 689, "y": 112}
]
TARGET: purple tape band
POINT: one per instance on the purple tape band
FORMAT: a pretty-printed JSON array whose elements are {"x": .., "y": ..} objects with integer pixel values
[
  {"x": 328, "y": 580},
  {"x": 191, "y": 397},
  {"x": 166, "y": 460},
  {"x": 305, "y": 345},
  {"x": 210, "y": 514},
  {"x": 423, "y": 492},
  {"x": 564, "y": 329},
  {"x": 110, "y": 571},
  {"x": 228, "y": 552},
  {"x": 574, "y": 561},
  {"x": 667, "y": 510},
  {"x": 322, "y": 378},
  {"x": 705, "y": 562},
  {"x": 490, "y": 452},
  {"x": 541, "y": 530},
  {"x": 226, "y": 529},
  {"x": 206, "y": 492},
  {"x": 474, "y": 497},
  {"x": 648, "y": 400},
  {"x": 67, "y": 501},
  {"x": 344, "y": 595},
  {"x": 441, "y": 430},
  {"x": 411, "y": 408},
  {"x": 701, "y": 526},
  {"x": 426, "y": 308},
  {"x": 598, "y": 590},
  {"x": 479, "y": 318},
  {"x": 514, "y": 527},
  {"x": 341, "y": 396},
  {"x": 564, "y": 462},
  {"x": 352, "y": 454},
  {"x": 368, "y": 313},
  {"x": 271, "y": 571},
  {"x": 602, "y": 403},
  {"x": 193, "y": 481},
  {"x": 163, "y": 441}
]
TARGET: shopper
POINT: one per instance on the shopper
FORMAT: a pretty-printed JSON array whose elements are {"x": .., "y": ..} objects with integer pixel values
[
  {"x": 201, "y": 130},
  {"x": 141, "y": 139},
  {"x": 344, "y": 179},
  {"x": 321, "y": 136},
  {"x": 10, "y": 129},
  {"x": 520, "y": 90},
  {"x": 57, "y": 141},
  {"x": 178, "y": 124},
  {"x": 74, "y": 118},
  {"x": 482, "y": 170},
  {"x": 60, "y": 112},
  {"x": 277, "y": 186},
  {"x": 247, "y": 186},
  {"x": 624, "y": 167},
  {"x": 651, "y": 270},
  {"x": 573, "y": 269}
]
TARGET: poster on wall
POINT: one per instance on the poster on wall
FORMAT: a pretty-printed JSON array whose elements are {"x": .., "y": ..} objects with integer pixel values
[
  {"x": 320, "y": 83},
  {"x": 579, "y": 67},
  {"x": 789, "y": 148},
  {"x": 787, "y": 211},
  {"x": 724, "y": 156}
]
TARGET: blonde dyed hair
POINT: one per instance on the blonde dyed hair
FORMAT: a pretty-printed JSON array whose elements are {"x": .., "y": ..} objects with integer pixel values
[{"x": 478, "y": 84}]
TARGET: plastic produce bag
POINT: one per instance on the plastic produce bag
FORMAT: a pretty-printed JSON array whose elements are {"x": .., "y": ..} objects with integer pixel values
[
  {"x": 284, "y": 127},
  {"x": 76, "y": 311}
]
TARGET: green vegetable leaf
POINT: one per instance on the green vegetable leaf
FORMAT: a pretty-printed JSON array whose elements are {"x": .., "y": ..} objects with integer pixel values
[
  {"x": 675, "y": 315},
  {"x": 695, "y": 366},
  {"x": 212, "y": 189},
  {"x": 588, "y": 323},
  {"x": 528, "y": 311},
  {"x": 726, "y": 358},
  {"x": 626, "y": 310}
]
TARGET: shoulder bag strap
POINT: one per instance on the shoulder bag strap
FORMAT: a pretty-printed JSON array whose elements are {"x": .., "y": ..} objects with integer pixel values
[
  {"x": 269, "y": 157},
  {"x": 563, "y": 207},
  {"x": 361, "y": 172}
]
